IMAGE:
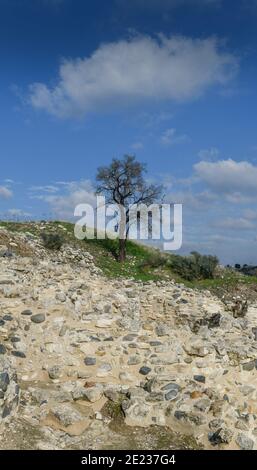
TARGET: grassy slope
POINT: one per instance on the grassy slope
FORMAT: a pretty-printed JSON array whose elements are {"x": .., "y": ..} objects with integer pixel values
[{"x": 104, "y": 252}]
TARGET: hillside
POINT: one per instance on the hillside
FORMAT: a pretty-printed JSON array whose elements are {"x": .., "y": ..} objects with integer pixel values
[
  {"x": 102, "y": 356},
  {"x": 143, "y": 262}
]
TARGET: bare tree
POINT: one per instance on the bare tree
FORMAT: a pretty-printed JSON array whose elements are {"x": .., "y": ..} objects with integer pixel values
[{"x": 123, "y": 183}]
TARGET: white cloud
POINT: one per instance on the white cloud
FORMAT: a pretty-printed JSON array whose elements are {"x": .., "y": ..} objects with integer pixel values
[
  {"x": 9, "y": 181},
  {"x": 232, "y": 223},
  {"x": 209, "y": 154},
  {"x": 18, "y": 213},
  {"x": 192, "y": 201},
  {"x": 129, "y": 71},
  {"x": 171, "y": 137},
  {"x": 250, "y": 214},
  {"x": 75, "y": 192},
  {"x": 51, "y": 189},
  {"x": 5, "y": 192},
  {"x": 228, "y": 176}
]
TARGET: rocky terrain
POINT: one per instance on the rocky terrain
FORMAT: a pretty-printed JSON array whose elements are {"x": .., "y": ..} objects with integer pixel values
[{"x": 87, "y": 362}]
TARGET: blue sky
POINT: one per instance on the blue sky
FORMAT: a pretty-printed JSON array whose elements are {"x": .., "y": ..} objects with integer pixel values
[{"x": 171, "y": 81}]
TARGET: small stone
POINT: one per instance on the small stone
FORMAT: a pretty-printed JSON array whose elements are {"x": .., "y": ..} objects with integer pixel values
[
  {"x": 196, "y": 348},
  {"x": 171, "y": 387},
  {"x": 217, "y": 407},
  {"x": 203, "y": 404},
  {"x": 6, "y": 412},
  {"x": 15, "y": 339},
  {"x": 254, "y": 330},
  {"x": 38, "y": 318},
  {"x": 82, "y": 374},
  {"x": 103, "y": 323},
  {"x": 126, "y": 376},
  {"x": 54, "y": 372},
  {"x": 93, "y": 394},
  {"x": 145, "y": 370},
  {"x": 171, "y": 395},
  {"x": 180, "y": 415},
  {"x": 109, "y": 338},
  {"x": 7, "y": 318},
  {"x": 4, "y": 381},
  {"x": 249, "y": 366},
  {"x": 3, "y": 250},
  {"x": 19, "y": 354},
  {"x": 2, "y": 349},
  {"x": 199, "y": 378},
  {"x": 129, "y": 337},
  {"x": 60, "y": 296},
  {"x": 247, "y": 390},
  {"x": 161, "y": 330},
  {"x": 155, "y": 397},
  {"x": 134, "y": 360},
  {"x": 90, "y": 361},
  {"x": 244, "y": 442},
  {"x": 103, "y": 370},
  {"x": 66, "y": 415},
  {"x": 63, "y": 331},
  {"x": 221, "y": 436},
  {"x": 26, "y": 312},
  {"x": 112, "y": 395},
  {"x": 98, "y": 416},
  {"x": 216, "y": 424},
  {"x": 106, "y": 367},
  {"x": 243, "y": 426},
  {"x": 214, "y": 321},
  {"x": 155, "y": 343},
  {"x": 188, "y": 360},
  {"x": 5, "y": 281}
]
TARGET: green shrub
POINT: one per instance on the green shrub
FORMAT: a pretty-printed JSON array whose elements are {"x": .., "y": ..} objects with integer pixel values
[
  {"x": 193, "y": 267},
  {"x": 154, "y": 260},
  {"x": 52, "y": 241}
]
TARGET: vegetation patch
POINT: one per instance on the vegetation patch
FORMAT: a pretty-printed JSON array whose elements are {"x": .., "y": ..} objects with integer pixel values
[{"x": 143, "y": 263}]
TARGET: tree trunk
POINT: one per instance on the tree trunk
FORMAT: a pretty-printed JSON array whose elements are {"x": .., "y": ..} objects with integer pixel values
[{"x": 122, "y": 250}]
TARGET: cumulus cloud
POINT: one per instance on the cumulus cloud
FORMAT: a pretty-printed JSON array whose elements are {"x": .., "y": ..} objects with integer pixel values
[
  {"x": 235, "y": 223},
  {"x": 130, "y": 71},
  {"x": 192, "y": 200},
  {"x": 5, "y": 192},
  {"x": 228, "y": 176},
  {"x": 73, "y": 193}
]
